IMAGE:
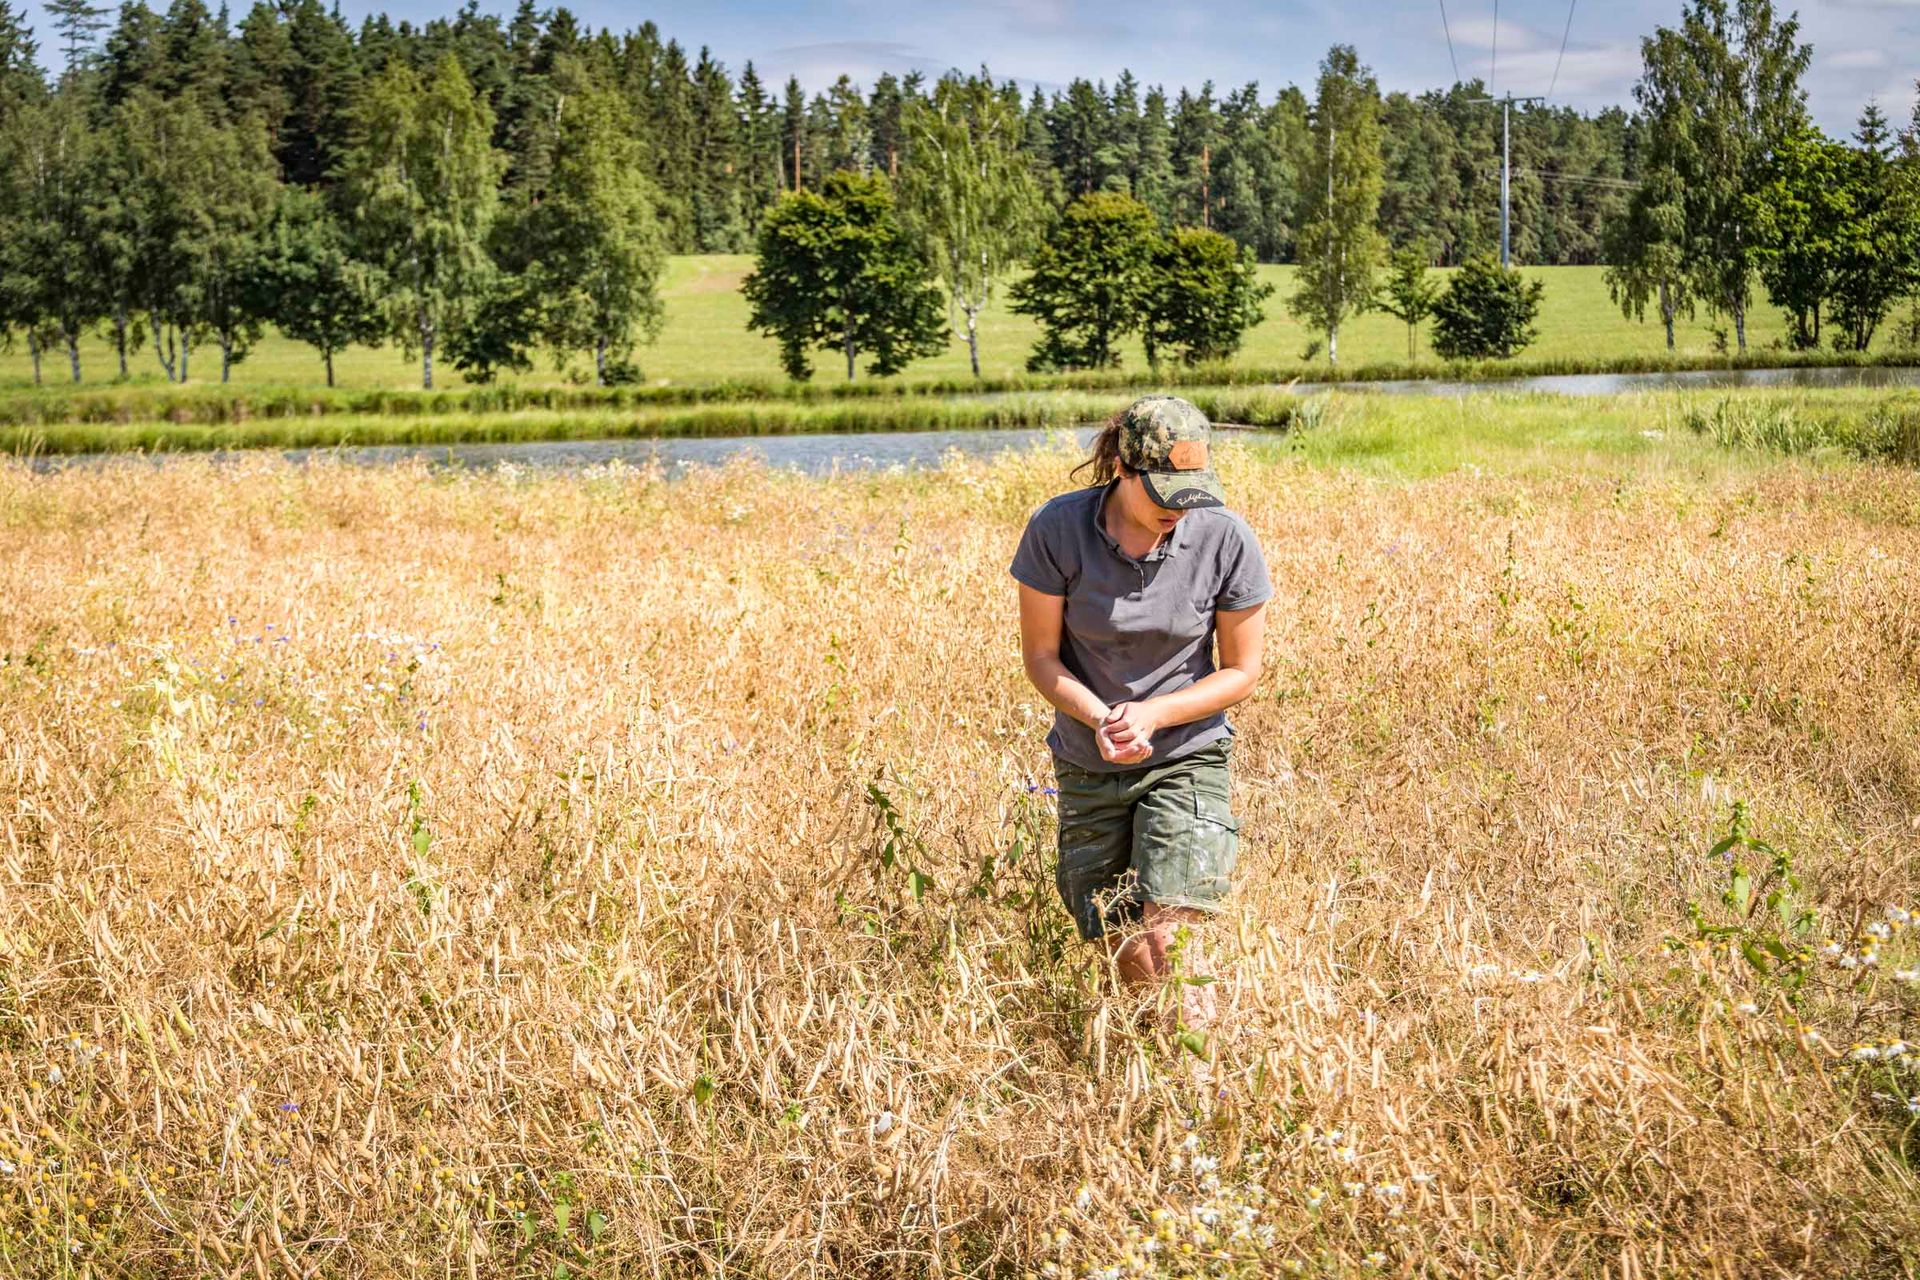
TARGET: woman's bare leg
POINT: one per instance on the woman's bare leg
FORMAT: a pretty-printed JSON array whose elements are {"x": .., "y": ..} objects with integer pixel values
[{"x": 1157, "y": 952}]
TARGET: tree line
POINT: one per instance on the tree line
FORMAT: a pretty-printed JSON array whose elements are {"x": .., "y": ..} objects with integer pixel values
[
  {"x": 478, "y": 190},
  {"x": 1738, "y": 185}
]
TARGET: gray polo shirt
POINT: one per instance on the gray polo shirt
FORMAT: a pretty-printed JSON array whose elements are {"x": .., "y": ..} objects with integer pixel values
[{"x": 1135, "y": 629}]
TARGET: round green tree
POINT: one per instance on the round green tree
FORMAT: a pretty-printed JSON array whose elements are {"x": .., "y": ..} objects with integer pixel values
[
  {"x": 837, "y": 272},
  {"x": 1206, "y": 295},
  {"x": 1091, "y": 282},
  {"x": 1487, "y": 311}
]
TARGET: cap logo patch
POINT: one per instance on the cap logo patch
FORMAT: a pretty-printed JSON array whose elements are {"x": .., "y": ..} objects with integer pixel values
[{"x": 1188, "y": 455}]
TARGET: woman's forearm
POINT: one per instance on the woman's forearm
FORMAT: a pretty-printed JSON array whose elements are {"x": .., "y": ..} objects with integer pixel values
[
  {"x": 1064, "y": 690},
  {"x": 1206, "y": 696}
]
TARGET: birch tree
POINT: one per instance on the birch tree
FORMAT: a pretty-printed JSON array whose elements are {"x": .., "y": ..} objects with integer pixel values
[
  {"x": 967, "y": 191},
  {"x": 1723, "y": 91},
  {"x": 594, "y": 243},
  {"x": 422, "y": 188},
  {"x": 1339, "y": 247}
]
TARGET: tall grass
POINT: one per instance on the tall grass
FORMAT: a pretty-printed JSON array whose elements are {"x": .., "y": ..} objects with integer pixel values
[
  {"x": 495, "y": 875},
  {"x": 1255, "y": 407},
  {"x": 1888, "y": 431},
  {"x": 216, "y": 405}
]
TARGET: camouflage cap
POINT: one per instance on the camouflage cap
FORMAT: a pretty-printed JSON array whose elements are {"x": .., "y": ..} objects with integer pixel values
[{"x": 1167, "y": 440}]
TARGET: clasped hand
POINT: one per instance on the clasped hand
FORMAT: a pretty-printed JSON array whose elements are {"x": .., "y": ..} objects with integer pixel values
[{"x": 1126, "y": 735}]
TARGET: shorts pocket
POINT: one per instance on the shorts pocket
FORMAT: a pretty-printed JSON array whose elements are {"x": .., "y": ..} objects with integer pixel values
[
  {"x": 1216, "y": 845},
  {"x": 1185, "y": 845}
]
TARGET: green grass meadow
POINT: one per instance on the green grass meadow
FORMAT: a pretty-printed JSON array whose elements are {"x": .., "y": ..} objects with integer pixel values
[{"x": 705, "y": 339}]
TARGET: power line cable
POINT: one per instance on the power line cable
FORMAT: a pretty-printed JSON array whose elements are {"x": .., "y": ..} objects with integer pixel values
[
  {"x": 1591, "y": 180},
  {"x": 1448, "y": 28},
  {"x": 1563, "y": 48}
]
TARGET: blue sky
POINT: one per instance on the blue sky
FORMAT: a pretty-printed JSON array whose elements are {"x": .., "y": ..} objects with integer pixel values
[{"x": 1862, "y": 48}]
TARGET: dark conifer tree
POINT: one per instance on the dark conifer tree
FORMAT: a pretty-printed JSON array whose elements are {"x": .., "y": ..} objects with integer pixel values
[
  {"x": 793, "y": 134},
  {"x": 1196, "y": 135},
  {"x": 322, "y": 84},
  {"x": 135, "y": 56},
  {"x": 719, "y": 223},
  {"x": 257, "y": 81},
  {"x": 761, "y": 173}
]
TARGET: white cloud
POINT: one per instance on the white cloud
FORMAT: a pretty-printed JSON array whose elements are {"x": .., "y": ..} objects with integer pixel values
[
  {"x": 819, "y": 65},
  {"x": 1478, "y": 33},
  {"x": 1852, "y": 59}
]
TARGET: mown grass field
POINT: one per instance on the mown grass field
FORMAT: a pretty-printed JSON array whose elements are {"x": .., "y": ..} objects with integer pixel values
[
  {"x": 498, "y": 874},
  {"x": 705, "y": 339}
]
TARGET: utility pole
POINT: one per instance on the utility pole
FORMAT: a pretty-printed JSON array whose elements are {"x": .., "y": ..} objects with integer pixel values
[
  {"x": 1206, "y": 186},
  {"x": 1506, "y": 166}
]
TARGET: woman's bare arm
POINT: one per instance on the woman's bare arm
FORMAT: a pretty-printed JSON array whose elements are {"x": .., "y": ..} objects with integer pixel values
[
  {"x": 1040, "y": 625},
  {"x": 1241, "y": 634}
]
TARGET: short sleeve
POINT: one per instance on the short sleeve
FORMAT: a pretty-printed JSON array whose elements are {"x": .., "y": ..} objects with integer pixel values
[
  {"x": 1244, "y": 583},
  {"x": 1036, "y": 562}
]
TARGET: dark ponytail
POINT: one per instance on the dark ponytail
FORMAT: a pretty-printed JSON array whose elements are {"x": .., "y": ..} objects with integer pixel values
[{"x": 1104, "y": 463}]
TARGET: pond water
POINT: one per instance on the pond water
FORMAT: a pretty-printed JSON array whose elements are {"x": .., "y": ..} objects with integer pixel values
[{"x": 818, "y": 454}]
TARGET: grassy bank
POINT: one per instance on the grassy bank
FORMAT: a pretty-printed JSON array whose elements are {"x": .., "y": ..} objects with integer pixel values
[
  {"x": 496, "y": 874},
  {"x": 755, "y": 418},
  {"x": 706, "y": 343},
  {"x": 217, "y": 405}
]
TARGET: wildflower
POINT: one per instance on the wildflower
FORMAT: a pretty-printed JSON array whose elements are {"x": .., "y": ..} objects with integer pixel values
[
  {"x": 1878, "y": 930},
  {"x": 1530, "y": 976},
  {"x": 1849, "y": 961},
  {"x": 55, "y": 1075},
  {"x": 1354, "y": 1190},
  {"x": 1894, "y": 1049},
  {"x": 1376, "y": 1259},
  {"x": 1899, "y": 917},
  {"x": 883, "y": 1124},
  {"x": 1913, "y": 1104},
  {"x": 7, "y": 1168},
  {"x": 1388, "y": 1190},
  {"x": 1831, "y": 949},
  {"x": 1205, "y": 1164},
  {"x": 1906, "y": 975},
  {"x": 1420, "y": 1179},
  {"x": 1345, "y": 1155},
  {"x": 1315, "y": 1197},
  {"x": 1208, "y": 1216},
  {"x": 1747, "y": 1007},
  {"x": 1083, "y": 1198},
  {"x": 1863, "y": 1053}
]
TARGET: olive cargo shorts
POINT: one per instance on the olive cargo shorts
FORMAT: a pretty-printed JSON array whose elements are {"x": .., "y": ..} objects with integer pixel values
[{"x": 1163, "y": 834}]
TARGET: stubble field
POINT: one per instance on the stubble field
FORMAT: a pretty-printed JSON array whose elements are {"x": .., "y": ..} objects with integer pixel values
[{"x": 592, "y": 875}]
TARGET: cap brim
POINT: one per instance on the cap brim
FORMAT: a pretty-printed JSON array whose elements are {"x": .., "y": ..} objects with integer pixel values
[{"x": 1184, "y": 490}]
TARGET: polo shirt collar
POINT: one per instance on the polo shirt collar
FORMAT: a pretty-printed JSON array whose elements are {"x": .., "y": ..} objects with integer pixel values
[{"x": 1170, "y": 546}]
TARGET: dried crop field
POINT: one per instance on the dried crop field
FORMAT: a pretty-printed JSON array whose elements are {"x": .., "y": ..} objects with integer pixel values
[{"x": 504, "y": 875}]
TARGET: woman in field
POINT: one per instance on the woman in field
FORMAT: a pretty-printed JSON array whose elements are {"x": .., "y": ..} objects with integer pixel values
[{"x": 1125, "y": 588}]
